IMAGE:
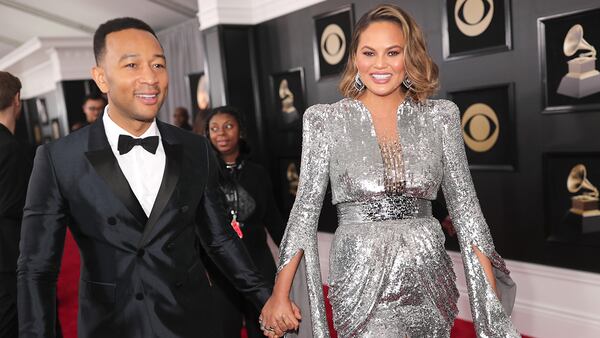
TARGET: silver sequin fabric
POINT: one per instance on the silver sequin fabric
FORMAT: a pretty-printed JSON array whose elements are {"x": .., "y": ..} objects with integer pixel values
[{"x": 390, "y": 275}]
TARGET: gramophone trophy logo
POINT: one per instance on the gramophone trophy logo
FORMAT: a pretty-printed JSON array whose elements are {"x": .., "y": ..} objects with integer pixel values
[
  {"x": 584, "y": 206},
  {"x": 582, "y": 79},
  {"x": 289, "y": 112},
  {"x": 293, "y": 178},
  {"x": 202, "y": 96}
]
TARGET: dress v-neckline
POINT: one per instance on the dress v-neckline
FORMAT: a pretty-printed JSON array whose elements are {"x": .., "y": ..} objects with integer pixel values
[
  {"x": 390, "y": 152},
  {"x": 365, "y": 110}
]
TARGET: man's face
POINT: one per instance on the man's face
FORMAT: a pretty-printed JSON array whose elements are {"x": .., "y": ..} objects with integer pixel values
[
  {"x": 92, "y": 109},
  {"x": 179, "y": 118},
  {"x": 133, "y": 73}
]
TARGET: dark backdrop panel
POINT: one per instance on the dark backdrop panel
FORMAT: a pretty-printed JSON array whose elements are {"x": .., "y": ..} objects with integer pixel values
[
  {"x": 511, "y": 201},
  {"x": 237, "y": 44}
]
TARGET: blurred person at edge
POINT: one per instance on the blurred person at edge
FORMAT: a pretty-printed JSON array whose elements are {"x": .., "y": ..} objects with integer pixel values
[
  {"x": 14, "y": 174},
  {"x": 252, "y": 208}
]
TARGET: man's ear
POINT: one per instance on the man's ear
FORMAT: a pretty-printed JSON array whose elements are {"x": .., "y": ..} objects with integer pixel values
[
  {"x": 99, "y": 77},
  {"x": 17, "y": 104}
]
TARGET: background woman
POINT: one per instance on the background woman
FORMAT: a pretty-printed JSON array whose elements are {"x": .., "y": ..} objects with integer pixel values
[
  {"x": 386, "y": 149},
  {"x": 250, "y": 199}
]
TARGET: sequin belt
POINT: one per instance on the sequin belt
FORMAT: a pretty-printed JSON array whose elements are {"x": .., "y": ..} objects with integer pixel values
[{"x": 384, "y": 208}]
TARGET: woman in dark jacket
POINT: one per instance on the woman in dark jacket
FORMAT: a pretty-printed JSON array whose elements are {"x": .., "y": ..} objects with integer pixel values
[{"x": 252, "y": 209}]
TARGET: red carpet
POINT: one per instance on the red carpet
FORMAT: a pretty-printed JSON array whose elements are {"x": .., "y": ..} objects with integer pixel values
[{"x": 68, "y": 286}]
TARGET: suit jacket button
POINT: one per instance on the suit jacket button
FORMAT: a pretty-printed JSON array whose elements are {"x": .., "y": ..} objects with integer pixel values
[
  {"x": 170, "y": 246},
  {"x": 178, "y": 284},
  {"x": 141, "y": 252},
  {"x": 183, "y": 209},
  {"x": 139, "y": 296},
  {"x": 112, "y": 221}
]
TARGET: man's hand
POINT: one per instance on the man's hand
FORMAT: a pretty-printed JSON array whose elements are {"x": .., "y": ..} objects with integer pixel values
[{"x": 279, "y": 315}]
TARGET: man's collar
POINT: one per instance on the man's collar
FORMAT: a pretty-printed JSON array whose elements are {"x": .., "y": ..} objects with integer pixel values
[
  {"x": 113, "y": 130},
  {"x": 4, "y": 129}
]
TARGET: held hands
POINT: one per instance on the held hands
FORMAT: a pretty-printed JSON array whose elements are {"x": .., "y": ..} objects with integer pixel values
[{"x": 279, "y": 315}]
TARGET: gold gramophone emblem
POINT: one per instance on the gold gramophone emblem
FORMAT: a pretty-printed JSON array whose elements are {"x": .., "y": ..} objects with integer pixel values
[
  {"x": 293, "y": 178},
  {"x": 583, "y": 78},
  {"x": 287, "y": 97},
  {"x": 586, "y": 202}
]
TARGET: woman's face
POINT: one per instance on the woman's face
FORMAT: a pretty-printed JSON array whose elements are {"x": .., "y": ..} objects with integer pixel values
[
  {"x": 224, "y": 133},
  {"x": 380, "y": 57}
]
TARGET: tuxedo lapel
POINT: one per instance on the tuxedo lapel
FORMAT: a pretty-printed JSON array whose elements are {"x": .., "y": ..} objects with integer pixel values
[
  {"x": 103, "y": 160},
  {"x": 173, "y": 154}
]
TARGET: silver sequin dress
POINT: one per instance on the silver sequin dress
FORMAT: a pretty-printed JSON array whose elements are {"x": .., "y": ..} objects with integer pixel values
[{"x": 390, "y": 275}]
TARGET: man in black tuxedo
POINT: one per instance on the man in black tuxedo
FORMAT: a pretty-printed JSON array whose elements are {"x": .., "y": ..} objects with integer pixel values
[
  {"x": 14, "y": 174},
  {"x": 137, "y": 194}
]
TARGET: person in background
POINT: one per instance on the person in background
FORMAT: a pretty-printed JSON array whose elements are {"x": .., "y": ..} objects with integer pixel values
[
  {"x": 14, "y": 174},
  {"x": 77, "y": 125},
  {"x": 252, "y": 209},
  {"x": 181, "y": 118},
  {"x": 93, "y": 106}
]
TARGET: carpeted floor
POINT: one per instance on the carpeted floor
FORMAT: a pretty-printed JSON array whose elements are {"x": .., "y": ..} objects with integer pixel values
[{"x": 68, "y": 286}]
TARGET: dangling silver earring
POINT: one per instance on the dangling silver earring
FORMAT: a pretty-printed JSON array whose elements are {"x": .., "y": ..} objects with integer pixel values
[
  {"x": 358, "y": 84},
  {"x": 407, "y": 83}
]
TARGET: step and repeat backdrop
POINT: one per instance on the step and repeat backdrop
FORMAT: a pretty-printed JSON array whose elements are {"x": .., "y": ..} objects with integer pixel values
[{"x": 525, "y": 77}]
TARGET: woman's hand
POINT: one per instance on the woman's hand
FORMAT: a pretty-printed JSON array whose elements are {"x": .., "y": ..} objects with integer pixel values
[{"x": 279, "y": 315}]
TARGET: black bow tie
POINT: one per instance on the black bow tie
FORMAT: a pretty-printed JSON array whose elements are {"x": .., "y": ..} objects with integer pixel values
[{"x": 126, "y": 143}]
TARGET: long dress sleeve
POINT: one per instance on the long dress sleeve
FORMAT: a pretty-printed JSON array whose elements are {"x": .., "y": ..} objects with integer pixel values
[
  {"x": 490, "y": 314},
  {"x": 301, "y": 231}
]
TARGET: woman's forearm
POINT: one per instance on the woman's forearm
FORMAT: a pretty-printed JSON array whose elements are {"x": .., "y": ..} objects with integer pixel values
[
  {"x": 285, "y": 277},
  {"x": 487, "y": 267}
]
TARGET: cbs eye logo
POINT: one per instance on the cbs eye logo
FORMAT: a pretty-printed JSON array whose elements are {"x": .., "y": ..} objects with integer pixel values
[
  {"x": 473, "y": 17},
  {"x": 480, "y": 127},
  {"x": 333, "y": 44}
]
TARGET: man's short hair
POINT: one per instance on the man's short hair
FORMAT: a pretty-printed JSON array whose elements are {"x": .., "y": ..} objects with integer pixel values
[
  {"x": 116, "y": 25},
  {"x": 94, "y": 97},
  {"x": 9, "y": 87}
]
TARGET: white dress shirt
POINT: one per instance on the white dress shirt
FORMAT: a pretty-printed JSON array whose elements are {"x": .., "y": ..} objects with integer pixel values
[{"x": 142, "y": 169}]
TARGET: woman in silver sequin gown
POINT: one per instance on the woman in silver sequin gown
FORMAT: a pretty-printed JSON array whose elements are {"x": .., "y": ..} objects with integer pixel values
[{"x": 390, "y": 275}]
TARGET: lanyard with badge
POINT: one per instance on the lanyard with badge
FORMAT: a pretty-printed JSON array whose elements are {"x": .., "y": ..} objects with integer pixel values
[{"x": 234, "y": 210}]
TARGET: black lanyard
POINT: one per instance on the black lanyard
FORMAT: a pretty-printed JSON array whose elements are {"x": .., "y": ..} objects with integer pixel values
[{"x": 233, "y": 171}]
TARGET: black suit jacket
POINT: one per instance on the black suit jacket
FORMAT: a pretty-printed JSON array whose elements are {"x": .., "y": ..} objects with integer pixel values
[
  {"x": 140, "y": 277},
  {"x": 15, "y": 168}
]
